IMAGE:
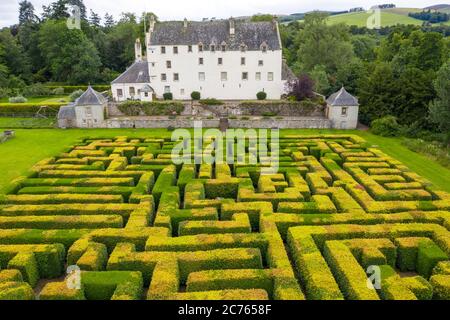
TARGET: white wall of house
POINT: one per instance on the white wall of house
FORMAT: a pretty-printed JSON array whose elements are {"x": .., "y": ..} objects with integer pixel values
[
  {"x": 209, "y": 78},
  {"x": 127, "y": 90},
  {"x": 89, "y": 116},
  {"x": 343, "y": 117}
]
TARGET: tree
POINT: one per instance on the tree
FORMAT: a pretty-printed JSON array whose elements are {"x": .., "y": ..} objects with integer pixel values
[
  {"x": 109, "y": 21},
  {"x": 439, "y": 109},
  {"x": 302, "y": 87},
  {"x": 94, "y": 19},
  {"x": 321, "y": 82},
  {"x": 321, "y": 44},
  {"x": 26, "y": 13},
  {"x": 68, "y": 53},
  {"x": 349, "y": 75},
  {"x": 56, "y": 10},
  {"x": 14, "y": 58},
  {"x": 263, "y": 18}
]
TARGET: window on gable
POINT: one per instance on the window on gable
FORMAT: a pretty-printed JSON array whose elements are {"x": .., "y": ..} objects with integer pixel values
[
  {"x": 163, "y": 50},
  {"x": 344, "y": 111},
  {"x": 168, "y": 64},
  {"x": 264, "y": 48},
  {"x": 88, "y": 111},
  {"x": 175, "y": 50}
]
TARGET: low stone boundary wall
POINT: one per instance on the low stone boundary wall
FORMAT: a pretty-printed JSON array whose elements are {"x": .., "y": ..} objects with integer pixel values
[{"x": 188, "y": 122}]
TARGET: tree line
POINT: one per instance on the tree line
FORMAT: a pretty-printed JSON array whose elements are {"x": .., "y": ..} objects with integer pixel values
[
  {"x": 404, "y": 73},
  {"x": 43, "y": 49}
]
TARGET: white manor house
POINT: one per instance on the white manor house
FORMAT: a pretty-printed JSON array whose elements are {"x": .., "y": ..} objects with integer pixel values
[{"x": 223, "y": 59}]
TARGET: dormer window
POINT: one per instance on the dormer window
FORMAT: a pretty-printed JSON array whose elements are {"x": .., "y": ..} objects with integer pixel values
[
  {"x": 264, "y": 47},
  {"x": 200, "y": 47},
  {"x": 243, "y": 47},
  {"x": 212, "y": 48},
  {"x": 223, "y": 47}
]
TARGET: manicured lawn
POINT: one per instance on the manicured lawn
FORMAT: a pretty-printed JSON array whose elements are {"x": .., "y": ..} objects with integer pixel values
[
  {"x": 12, "y": 123},
  {"x": 19, "y": 154},
  {"x": 41, "y": 100}
]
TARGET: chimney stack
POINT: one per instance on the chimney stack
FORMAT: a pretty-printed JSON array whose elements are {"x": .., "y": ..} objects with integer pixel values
[
  {"x": 232, "y": 26},
  {"x": 185, "y": 23},
  {"x": 138, "y": 50},
  {"x": 152, "y": 23}
]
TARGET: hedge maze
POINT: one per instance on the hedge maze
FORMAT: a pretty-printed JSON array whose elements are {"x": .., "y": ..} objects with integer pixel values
[{"x": 140, "y": 227}]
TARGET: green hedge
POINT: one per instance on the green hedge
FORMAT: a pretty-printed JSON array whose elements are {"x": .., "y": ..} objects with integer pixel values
[
  {"x": 155, "y": 108},
  {"x": 70, "y": 89},
  {"x": 30, "y": 108}
]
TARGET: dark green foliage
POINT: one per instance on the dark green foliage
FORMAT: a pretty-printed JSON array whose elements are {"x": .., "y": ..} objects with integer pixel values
[
  {"x": 261, "y": 95},
  {"x": 156, "y": 108},
  {"x": 195, "y": 95},
  {"x": 168, "y": 96},
  {"x": 211, "y": 102},
  {"x": 429, "y": 254},
  {"x": 386, "y": 127}
]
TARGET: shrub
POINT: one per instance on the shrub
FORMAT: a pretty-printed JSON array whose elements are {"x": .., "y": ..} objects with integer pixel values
[
  {"x": 195, "y": 95},
  {"x": 154, "y": 108},
  {"x": 58, "y": 91},
  {"x": 18, "y": 99},
  {"x": 386, "y": 127},
  {"x": 75, "y": 95},
  {"x": 168, "y": 96},
  {"x": 302, "y": 87},
  {"x": 261, "y": 95},
  {"x": 211, "y": 102},
  {"x": 36, "y": 90}
]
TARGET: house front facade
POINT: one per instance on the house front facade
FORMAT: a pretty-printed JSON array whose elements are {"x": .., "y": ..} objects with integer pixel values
[{"x": 223, "y": 59}]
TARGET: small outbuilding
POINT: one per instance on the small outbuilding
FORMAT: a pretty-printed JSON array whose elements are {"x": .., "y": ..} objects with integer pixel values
[
  {"x": 343, "y": 110},
  {"x": 88, "y": 111}
]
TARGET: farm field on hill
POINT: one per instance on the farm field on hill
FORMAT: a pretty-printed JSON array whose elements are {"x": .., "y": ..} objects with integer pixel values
[{"x": 360, "y": 19}]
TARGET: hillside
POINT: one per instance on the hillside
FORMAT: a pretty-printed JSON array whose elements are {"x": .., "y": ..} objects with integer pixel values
[{"x": 388, "y": 18}]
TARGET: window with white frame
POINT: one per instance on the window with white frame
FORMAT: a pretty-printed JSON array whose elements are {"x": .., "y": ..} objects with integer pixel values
[
  {"x": 200, "y": 61},
  {"x": 212, "y": 48},
  {"x": 220, "y": 61},
  {"x": 163, "y": 50},
  {"x": 260, "y": 63},
  {"x": 344, "y": 111},
  {"x": 119, "y": 92},
  {"x": 200, "y": 47},
  {"x": 224, "y": 47},
  {"x": 270, "y": 76},
  {"x": 163, "y": 77},
  {"x": 244, "y": 75},
  {"x": 242, "y": 61},
  {"x": 189, "y": 48},
  {"x": 167, "y": 89},
  {"x": 258, "y": 76},
  {"x": 223, "y": 76},
  {"x": 182, "y": 92},
  {"x": 168, "y": 64},
  {"x": 176, "y": 77},
  {"x": 201, "y": 76},
  {"x": 88, "y": 111},
  {"x": 175, "y": 50},
  {"x": 132, "y": 91}
]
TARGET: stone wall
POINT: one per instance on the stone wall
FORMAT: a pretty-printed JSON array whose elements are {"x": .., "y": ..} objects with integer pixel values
[{"x": 188, "y": 122}]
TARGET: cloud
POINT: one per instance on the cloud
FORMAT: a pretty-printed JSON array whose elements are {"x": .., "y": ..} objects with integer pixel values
[{"x": 198, "y": 9}]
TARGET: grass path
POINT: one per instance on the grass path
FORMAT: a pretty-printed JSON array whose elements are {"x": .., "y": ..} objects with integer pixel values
[{"x": 19, "y": 154}]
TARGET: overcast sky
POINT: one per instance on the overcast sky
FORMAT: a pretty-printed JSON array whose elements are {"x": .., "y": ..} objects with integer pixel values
[{"x": 198, "y": 9}]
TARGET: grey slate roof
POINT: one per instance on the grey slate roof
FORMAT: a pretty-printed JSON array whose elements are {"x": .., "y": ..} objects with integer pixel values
[
  {"x": 136, "y": 73},
  {"x": 147, "y": 88},
  {"x": 286, "y": 73},
  {"x": 342, "y": 98},
  {"x": 90, "y": 97},
  {"x": 67, "y": 112},
  {"x": 252, "y": 34}
]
